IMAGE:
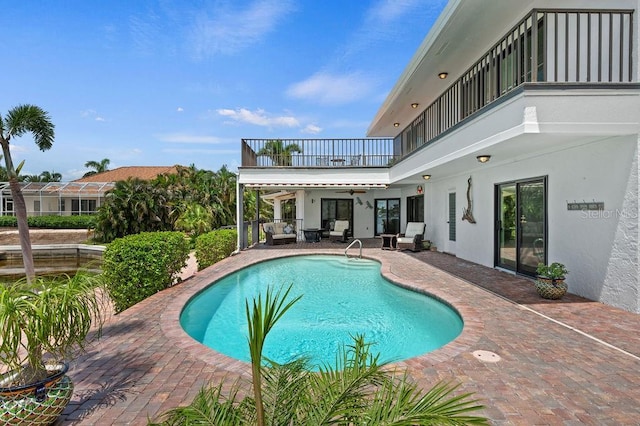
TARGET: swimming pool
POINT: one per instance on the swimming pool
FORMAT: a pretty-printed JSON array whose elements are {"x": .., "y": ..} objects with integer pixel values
[{"x": 340, "y": 298}]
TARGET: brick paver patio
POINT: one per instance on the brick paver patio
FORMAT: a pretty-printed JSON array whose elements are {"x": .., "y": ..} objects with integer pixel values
[{"x": 531, "y": 361}]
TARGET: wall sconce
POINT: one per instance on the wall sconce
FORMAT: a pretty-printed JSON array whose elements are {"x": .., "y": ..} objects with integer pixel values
[
  {"x": 426, "y": 177},
  {"x": 443, "y": 75},
  {"x": 359, "y": 201},
  {"x": 483, "y": 158},
  {"x": 313, "y": 201},
  {"x": 396, "y": 124},
  {"x": 414, "y": 105}
]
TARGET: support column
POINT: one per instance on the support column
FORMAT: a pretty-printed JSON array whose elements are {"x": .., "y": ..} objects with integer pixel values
[{"x": 241, "y": 242}]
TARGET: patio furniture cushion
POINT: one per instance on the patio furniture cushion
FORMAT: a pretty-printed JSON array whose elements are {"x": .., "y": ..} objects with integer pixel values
[
  {"x": 279, "y": 233},
  {"x": 340, "y": 230},
  {"x": 412, "y": 237}
]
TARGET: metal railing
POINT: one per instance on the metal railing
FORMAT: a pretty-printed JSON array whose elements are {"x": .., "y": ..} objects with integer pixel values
[
  {"x": 558, "y": 46},
  {"x": 366, "y": 152},
  {"x": 547, "y": 46}
]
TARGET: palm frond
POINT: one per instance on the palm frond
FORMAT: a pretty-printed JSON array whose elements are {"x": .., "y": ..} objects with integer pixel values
[
  {"x": 209, "y": 407},
  {"x": 400, "y": 403}
]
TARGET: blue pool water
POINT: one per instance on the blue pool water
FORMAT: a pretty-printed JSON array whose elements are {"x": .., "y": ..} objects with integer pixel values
[{"x": 340, "y": 298}]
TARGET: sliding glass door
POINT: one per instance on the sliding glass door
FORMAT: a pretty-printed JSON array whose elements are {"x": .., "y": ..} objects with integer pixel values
[
  {"x": 336, "y": 209},
  {"x": 387, "y": 216},
  {"x": 521, "y": 225}
]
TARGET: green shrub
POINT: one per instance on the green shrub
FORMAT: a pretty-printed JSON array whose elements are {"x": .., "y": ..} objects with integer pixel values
[
  {"x": 52, "y": 222},
  {"x": 214, "y": 246},
  {"x": 138, "y": 266}
]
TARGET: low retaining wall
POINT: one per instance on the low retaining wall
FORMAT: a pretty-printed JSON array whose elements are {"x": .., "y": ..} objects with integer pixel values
[
  {"x": 53, "y": 250},
  {"x": 47, "y": 236}
]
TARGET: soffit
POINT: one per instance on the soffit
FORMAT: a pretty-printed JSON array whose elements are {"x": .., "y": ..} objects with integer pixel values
[{"x": 462, "y": 33}]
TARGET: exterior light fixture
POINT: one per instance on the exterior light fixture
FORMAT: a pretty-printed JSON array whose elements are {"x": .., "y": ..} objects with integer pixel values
[
  {"x": 483, "y": 158},
  {"x": 414, "y": 105},
  {"x": 396, "y": 124},
  {"x": 443, "y": 75},
  {"x": 426, "y": 177}
]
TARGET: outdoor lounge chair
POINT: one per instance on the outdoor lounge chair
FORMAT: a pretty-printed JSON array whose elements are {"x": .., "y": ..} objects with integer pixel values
[
  {"x": 412, "y": 237},
  {"x": 340, "y": 230}
]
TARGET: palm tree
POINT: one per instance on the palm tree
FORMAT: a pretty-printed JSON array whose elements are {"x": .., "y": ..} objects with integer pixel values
[
  {"x": 47, "y": 176},
  {"x": 279, "y": 152},
  {"x": 359, "y": 390},
  {"x": 18, "y": 121},
  {"x": 98, "y": 167}
]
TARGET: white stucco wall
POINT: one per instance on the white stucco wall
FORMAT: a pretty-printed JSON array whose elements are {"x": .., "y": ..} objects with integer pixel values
[{"x": 600, "y": 248}]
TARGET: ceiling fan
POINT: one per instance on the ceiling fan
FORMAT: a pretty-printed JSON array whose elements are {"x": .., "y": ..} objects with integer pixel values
[{"x": 354, "y": 191}]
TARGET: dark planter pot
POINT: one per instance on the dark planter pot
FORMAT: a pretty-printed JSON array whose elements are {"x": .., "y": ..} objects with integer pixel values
[
  {"x": 38, "y": 403},
  {"x": 549, "y": 288}
]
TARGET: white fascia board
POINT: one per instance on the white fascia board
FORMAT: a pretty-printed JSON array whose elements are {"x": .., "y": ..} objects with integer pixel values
[{"x": 311, "y": 176}]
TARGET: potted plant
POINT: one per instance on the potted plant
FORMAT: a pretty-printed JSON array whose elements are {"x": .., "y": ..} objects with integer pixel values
[
  {"x": 550, "y": 280},
  {"x": 44, "y": 323}
]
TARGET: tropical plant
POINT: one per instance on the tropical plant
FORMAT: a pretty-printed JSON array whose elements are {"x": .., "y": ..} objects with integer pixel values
[
  {"x": 131, "y": 207},
  {"x": 18, "y": 121},
  {"x": 47, "y": 316},
  {"x": 3, "y": 173},
  {"x": 358, "y": 391},
  {"x": 195, "y": 220},
  {"x": 554, "y": 271},
  {"x": 280, "y": 154},
  {"x": 97, "y": 166},
  {"x": 47, "y": 176}
]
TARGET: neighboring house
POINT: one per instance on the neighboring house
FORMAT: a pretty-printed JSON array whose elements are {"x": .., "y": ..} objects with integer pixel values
[
  {"x": 513, "y": 134},
  {"x": 81, "y": 196}
]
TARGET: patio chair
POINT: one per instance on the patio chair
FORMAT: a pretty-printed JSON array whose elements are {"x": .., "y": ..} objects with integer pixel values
[
  {"x": 339, "y": 232},
  {"x": 412, "y": 237}
]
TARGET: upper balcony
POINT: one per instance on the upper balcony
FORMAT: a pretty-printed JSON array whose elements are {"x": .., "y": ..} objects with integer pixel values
[
  {"x": 367, "y": 152},
  {"x": 559, "y": 49}
]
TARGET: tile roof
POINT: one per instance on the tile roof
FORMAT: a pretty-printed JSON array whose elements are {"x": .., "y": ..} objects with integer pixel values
[{"x": 124, "y": 173}]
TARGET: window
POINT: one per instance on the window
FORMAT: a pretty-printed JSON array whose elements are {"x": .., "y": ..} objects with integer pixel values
[
  {"x": 288, "y": 210},
  {"x": 83, "y": 207},
  {"x": 415, "y": 208},
  {"x": 36, "y": 206}
]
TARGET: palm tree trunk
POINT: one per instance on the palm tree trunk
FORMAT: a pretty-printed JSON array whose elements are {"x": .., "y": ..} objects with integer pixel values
[{"x": 20, "y": 209}]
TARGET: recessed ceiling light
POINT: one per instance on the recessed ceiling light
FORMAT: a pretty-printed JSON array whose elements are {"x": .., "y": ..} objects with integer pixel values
[
  {"x": 483, "y": 158},
  {"x": 414, "y": 105},
  {"x": 443, "y": 75},
  {"x": 396, "y": 124},
  {"x": 426, "y": 177}
]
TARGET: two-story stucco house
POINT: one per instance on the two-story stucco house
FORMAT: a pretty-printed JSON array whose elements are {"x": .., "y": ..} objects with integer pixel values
[{"x": 512, "y": 133}]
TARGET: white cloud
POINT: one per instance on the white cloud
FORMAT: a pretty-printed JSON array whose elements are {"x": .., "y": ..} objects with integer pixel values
[
  {"x": 312, "y": 129},
  {"x": 258, "y": 118},
  {"x": 188, "y": 138},
  {"x": 332, "y": 89},
  {"x": 227, "y": 31},
  {"x": 91, "y": 114},
  {"x": 180, "y": 109},
  {"x": 386, "y": 11}
]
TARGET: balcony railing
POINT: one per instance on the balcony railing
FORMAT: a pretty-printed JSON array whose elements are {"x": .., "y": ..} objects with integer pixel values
[
  {"x": 547, "y": 46},
  {"x": 368, "y": 152},
  {"x": 558, "y": 46}
]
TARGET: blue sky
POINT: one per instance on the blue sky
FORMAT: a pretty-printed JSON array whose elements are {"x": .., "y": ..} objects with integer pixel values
[{"x": 163, "y": 82}]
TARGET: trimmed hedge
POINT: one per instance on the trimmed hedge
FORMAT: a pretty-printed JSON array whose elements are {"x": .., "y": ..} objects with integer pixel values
[
  {"x": 138, "y": 266},
  {"x": 52, "y": 222},
  {"x": 214, "y": 246}
]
